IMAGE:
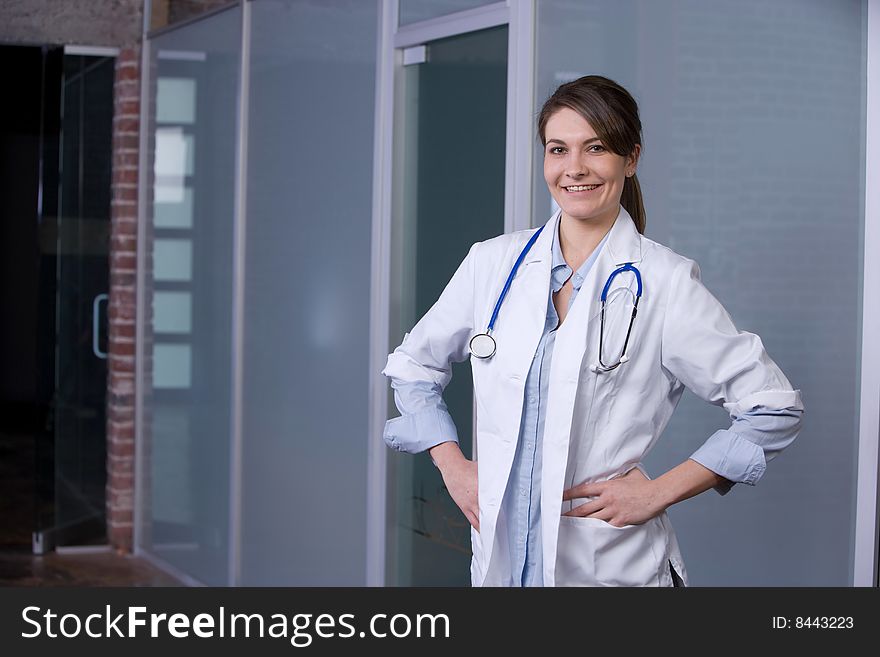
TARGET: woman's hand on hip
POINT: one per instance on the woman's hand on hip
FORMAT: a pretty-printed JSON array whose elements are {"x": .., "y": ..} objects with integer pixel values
[
  {"x": 628, "y": 500},
  {"x": 460, "y": 477}
]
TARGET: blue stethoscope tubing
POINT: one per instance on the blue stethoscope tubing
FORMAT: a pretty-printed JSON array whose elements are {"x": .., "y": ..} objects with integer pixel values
[
  {"x": 627, "y": 266},
  {"x": 483, "y": 345}
]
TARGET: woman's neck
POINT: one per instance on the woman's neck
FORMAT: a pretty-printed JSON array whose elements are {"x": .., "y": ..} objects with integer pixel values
[{"x": 578, "y": 239}]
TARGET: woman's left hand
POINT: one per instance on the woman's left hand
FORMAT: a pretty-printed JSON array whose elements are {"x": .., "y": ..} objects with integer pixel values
[{"x": 628, "y": 500}]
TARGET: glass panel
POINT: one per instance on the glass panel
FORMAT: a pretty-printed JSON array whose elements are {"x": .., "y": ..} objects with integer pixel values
[
  {"x": 175, "y": 101},
  {"x": 187, "y": 383},
  {"x": 446, "y": 145},
  {"x": 177, "y": 211},
  {"x": 171, "y": 366},
  {"x": 307, "y": 292},
  {"x": 172, "y": 312},
  {"x": 172, "y": 260},
  {"x": 74, "y": 229},
  {"x": 83, "y": 239},
  {"x": 413, "y": 11},
  {"x": 741, "y": 101}
]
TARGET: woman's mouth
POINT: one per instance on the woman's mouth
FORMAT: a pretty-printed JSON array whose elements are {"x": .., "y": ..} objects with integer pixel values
[{"x": 581, "y": 189}]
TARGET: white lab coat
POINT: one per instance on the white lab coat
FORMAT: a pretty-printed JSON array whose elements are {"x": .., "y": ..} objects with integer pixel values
[{"x": 599, "y": 425}]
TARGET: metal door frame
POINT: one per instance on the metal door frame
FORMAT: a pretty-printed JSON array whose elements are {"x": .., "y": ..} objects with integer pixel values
[{"x": 519, "y": 16}]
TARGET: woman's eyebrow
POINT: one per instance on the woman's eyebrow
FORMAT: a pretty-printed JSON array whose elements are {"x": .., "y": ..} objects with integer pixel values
[{"x": 559, "y": 141}]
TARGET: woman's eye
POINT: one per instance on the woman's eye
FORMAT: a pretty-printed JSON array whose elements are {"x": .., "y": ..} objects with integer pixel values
[
  {"x": 597, "y": 146},
  {"x": 556, "y": 150}
]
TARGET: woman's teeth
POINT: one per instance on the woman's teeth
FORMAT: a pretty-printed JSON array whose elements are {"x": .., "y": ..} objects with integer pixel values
[{"x": 581, "y": 188}]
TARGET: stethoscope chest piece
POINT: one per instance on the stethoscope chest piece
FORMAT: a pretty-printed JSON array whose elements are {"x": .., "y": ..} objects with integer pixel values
[{"x": 482, "y": 345}]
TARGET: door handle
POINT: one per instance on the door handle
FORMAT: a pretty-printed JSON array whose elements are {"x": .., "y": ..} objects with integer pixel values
[{"x": 96, "y": 306}]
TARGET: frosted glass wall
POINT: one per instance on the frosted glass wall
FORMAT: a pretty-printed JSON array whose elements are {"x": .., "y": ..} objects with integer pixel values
[
  {"x": 446, "y": 145},
  {"x": 188, "y": 297},
  {"x": 307, "y": 292},
  {"x": 753, "y": 124}
]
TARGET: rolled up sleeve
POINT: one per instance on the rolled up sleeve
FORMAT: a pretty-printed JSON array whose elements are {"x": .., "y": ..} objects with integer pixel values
[
  {"x": 740, "y": 454},
  {"x": 421, "y": 366},
  {"x": 424, "y": 421}
]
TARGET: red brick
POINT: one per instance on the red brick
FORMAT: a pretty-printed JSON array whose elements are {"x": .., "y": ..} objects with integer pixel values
[
  {"x": 120, "y": 414},
  {"x": 121, "y": 243},
  {"x": 125, "y": 261},
  {"x": 124, "y": 312},
  {"x": 123, "y": 226},
  {"x": 122, "y": 297},
  {"x": 121, "y": 517},
  {"x": 121, "y": 348},
  {"x": 123, "y": 159},
  {"x": 128, "y": 140},
  {"x": 127, "y": 107},
  {"x": 126, "y": 124},
  {"x": 122, "y": 400},
  {"x": 118, "y": 515},
  {"x": 127, "y": 175},
  {"x": 122, "y": 278},
  {"x": 128, "y": 56},
  {"x": 121, "y": 449},
  {"x": 121, "y": 479},
  {"x": 121, "y": 433},
  {"x": 129, "y": 86},
  {"x": 128, "y": 72},
  {"x": 125, "y": 193},
  {"x": 122, "y": 364},
  {"x": 121, "y": 385},
  {"x": 117, "y": 378},
  {"x": 123, "y": 463}
]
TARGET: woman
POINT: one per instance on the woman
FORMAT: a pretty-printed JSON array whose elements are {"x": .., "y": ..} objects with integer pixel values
[{"x": 583, "y": 335}]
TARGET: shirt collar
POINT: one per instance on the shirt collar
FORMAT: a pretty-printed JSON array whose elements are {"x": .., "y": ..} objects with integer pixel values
[{"x": 560, "y": 270}]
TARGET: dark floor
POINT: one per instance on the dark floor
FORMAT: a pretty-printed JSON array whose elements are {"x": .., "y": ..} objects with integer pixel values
[{"x": 18, "y": 568}]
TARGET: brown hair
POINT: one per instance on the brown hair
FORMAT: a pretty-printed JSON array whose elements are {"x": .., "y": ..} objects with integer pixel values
[{"x": 614, "y": 114}]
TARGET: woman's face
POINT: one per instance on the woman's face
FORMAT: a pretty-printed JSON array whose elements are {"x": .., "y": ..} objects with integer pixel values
[{"x": 584, "y": 177}]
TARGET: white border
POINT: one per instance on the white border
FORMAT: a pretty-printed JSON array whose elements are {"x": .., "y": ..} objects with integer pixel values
[{"x": 866, "y": 544}]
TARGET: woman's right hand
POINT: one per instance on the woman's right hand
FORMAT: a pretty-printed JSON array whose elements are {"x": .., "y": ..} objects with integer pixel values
[{"x": 460, "y": 476}]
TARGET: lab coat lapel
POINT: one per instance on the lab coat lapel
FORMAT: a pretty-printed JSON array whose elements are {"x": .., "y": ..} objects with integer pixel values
[
  {"x": 518, "y": 330},
  {"x": 524, "y": 310},
  {"x": 573, "y": 353}
]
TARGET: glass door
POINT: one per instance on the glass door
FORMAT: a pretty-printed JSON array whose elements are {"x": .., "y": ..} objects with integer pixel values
[
  {"x": 449, "y": 194},
  {"x": 76, "y": 179}
]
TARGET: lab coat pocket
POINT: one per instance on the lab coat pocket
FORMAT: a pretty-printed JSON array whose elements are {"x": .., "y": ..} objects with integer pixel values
[{"x": 592, "y": 552}]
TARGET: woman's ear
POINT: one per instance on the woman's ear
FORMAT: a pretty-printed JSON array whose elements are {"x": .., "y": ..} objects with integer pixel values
[{"x": 633, "y": 159}]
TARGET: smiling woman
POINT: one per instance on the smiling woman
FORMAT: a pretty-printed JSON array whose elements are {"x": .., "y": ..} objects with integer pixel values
[{"x": 559, "y": 496}]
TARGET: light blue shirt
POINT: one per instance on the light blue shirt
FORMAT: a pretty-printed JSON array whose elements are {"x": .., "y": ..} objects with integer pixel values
[
  {"x": 728, "y": 452},
  {"x": 522, "y": 499}
]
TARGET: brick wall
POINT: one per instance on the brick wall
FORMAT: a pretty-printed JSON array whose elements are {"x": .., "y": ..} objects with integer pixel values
[
  {"x": 123, "y": 299},
  {"x": 85, "y": 22}
]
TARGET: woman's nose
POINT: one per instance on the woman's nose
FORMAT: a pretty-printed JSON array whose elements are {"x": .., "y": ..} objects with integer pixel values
[{"x": 575, "y": 167}]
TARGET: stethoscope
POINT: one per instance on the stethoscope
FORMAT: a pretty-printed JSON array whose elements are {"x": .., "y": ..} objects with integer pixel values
[{"x": 483, "y": 345}]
